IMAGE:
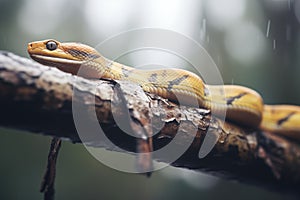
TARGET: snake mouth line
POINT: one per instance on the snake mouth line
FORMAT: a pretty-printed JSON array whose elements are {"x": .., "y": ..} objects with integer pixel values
[{"x": 51, "y": 59}]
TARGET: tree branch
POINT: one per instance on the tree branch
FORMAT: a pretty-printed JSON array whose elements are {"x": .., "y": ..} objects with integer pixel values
[{"x": 40, "y": 99}]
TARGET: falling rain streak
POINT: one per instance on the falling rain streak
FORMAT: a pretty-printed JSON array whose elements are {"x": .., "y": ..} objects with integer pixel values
[
  {"x": 203, "y": 30},
  {"x": 268, "y": 28}
]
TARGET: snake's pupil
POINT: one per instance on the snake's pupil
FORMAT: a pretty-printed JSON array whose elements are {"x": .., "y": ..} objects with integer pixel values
[{"x": 51, "y": 45}]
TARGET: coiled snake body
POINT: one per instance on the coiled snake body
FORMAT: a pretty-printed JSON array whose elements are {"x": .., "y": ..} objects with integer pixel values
[{"x": 242, "y": 105}]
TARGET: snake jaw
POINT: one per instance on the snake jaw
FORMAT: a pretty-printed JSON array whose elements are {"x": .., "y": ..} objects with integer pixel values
[
  {"x": 70, "y": 66},
  {"x": 49, "y": 60}
]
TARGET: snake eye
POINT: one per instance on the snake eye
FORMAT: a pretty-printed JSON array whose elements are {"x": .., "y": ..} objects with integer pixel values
[{"x": 51, "y": 45}]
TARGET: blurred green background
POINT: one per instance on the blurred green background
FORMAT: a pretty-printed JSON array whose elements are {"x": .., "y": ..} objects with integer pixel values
[{"x": 253, "y": 43}]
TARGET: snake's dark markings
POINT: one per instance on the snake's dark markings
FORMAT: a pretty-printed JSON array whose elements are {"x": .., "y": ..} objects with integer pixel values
[
  {"x": 286, "y": 118},
  {"x": 126, "y": 72},
  {"x": 153, "y": 78},
  {"x": 164, "y": 73},
  {"x": 230, "y": 100},
  {"x": 177, "y": 81},
  {"x": 83, "y": 54}
]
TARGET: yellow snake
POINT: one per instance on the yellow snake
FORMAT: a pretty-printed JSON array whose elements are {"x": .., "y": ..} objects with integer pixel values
[{"x": 241, "y": 105}]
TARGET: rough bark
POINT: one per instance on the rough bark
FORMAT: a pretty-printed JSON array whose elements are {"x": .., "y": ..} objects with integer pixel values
[{"x": 40, "y": 99}]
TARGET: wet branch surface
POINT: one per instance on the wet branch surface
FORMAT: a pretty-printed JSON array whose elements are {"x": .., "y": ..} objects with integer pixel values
[{"x": 40, "y": 99}]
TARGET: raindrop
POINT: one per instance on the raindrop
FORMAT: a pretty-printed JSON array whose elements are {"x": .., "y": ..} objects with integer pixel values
[
  {"x": 207, "y": 38},
  {"x": 274, "y": 44},
  {"x": 203, "y": 30},
  {"x": 268, "y": 28},
  {"x": 296, "y": 8}
]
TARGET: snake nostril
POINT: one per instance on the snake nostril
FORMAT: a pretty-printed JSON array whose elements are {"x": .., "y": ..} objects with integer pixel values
[{"x": 29, "y": 47}]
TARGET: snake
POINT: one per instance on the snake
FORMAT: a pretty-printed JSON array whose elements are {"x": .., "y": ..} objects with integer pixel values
[{"x": 242, "y": 105}]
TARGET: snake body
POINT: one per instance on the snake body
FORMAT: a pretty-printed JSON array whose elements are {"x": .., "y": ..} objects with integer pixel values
[{"x": 242, "y": 105}]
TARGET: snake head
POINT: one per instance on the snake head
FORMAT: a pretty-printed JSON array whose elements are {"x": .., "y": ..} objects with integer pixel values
[{"x": 68, "y": 57}]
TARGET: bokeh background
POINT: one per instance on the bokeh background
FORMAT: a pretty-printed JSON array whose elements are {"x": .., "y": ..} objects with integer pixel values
[{"x": 253, "y": 43}]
